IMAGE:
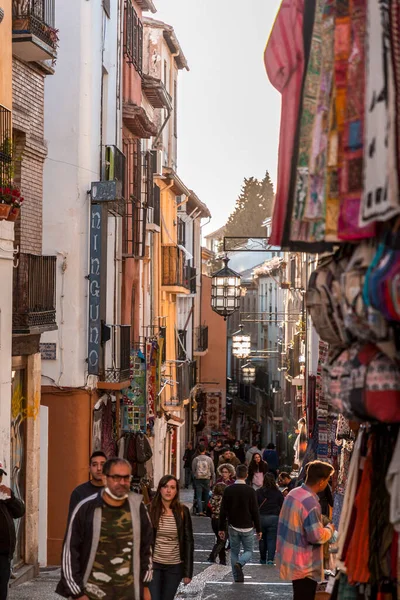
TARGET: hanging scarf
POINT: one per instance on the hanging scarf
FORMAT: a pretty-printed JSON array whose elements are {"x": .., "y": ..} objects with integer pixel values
[{"x": 380, "y": 200}]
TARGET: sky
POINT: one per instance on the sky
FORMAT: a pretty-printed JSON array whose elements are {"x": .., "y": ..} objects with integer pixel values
[{"x": 228, "y": 112}]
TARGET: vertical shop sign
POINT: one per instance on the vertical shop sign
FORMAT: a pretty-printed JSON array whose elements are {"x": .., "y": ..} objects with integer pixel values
[{"x": 94, "y": 341}]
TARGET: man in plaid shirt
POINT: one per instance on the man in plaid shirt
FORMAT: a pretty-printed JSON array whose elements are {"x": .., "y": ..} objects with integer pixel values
[{"x": 301, "y": 534}]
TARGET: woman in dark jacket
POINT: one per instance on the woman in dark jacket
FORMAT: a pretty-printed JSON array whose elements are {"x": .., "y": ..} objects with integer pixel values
[
  {"x": 257, "y": 469},
  {"x": 173, "y": 541},
  {"x": 270, "y": 501}
]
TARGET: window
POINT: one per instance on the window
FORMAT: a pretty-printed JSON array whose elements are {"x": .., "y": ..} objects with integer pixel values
[
  {"x": 175, "y": 108},
  {"x": 165, "y": 74},
  {"x": 133, "y": 37}
]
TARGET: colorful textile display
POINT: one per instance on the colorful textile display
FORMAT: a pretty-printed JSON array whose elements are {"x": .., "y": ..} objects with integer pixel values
[{"x": 343, "y": 182}]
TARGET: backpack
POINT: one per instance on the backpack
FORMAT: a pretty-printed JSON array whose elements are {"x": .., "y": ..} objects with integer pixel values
[
  {"x": 323, "y": 300},
  {"x": 203, "y": 470}
]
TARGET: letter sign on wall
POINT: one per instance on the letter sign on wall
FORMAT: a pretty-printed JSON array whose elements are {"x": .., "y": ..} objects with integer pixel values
[{"x": 94, "y": 338}]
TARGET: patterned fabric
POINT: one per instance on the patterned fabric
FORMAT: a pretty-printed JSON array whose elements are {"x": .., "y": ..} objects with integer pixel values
[
  {"x": 284, "y": 62},
  {"x": 315, "y": 203},
  {"x": 309, "y": 110},
  {"x": 301, "y": 536},
  {"x": 112, "y": 574},
  {"x": 352, "y": 140},
  {"x": 166, "y": 547},
  {"x": 215, "y": 503},
  {"x": 380, "y": 200}
]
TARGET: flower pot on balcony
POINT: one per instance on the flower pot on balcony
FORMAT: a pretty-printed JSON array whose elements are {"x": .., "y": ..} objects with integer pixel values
[
  {"x": 14, "y": 214},
  {"x": 4, "y": 211}
]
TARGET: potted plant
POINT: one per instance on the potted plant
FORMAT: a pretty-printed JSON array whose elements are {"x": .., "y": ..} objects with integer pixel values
[{"x": 10, "y": 202}]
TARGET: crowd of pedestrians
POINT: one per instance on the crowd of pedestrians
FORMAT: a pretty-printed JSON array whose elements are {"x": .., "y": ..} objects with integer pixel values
[
  {"x": 252, "y": 498},
  {"x": 115, "y": 547}
]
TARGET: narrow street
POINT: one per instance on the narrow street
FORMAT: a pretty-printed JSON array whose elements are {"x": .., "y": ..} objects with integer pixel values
[{"x": 210, "y": 582}]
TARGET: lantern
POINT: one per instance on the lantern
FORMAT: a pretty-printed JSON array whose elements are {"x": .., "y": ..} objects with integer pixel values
[
  {"x": 241, "y": 346},
  {"x": 248, "y": 374},
  {"x": 225, "y": 291}
]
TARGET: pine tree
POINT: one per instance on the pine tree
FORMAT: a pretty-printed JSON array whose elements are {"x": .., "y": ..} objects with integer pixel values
[{"x": 253, "y": 206}]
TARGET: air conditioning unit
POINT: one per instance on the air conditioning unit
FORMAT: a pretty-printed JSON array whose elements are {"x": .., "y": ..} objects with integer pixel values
[{"x": 157, "y": 163}]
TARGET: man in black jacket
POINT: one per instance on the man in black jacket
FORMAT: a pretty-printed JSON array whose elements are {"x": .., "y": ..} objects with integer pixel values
[
  {"x": 95, "y": 483},
  {"x": 10, "y": 508},
  {"x": 107, "y": 547},
  {"x": 240, "y": 508}
]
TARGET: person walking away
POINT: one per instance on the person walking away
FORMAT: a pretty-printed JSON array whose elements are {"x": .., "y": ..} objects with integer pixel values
[
  {"x": 239, "y": 508},
  {"x": 270, "y": 501},
  {"x": 226, "y": 474},
  {"x": 107, "y": 546},
  {"x": 173, "y": 541},
  {"x": 219, "y": 546},
  {"x": 218, "y": 451},
  {"x": 257, "y": 470},
  {"x": 187, "y": 464},
  {"x": 239, "y": 451},
  {"x": 270, "y": 455},
  {"x": 228, "y": 457},
  {"x": 10, "y": 508},
  {"x": 301, "y": 534},
  {"x": 204, "y": 473},
  {"x": 95, "y": 483},
  {"x": 252, "y": 450}
]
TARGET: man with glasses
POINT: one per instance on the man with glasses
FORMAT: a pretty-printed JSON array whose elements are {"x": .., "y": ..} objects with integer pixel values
[
  {"x": 96, "y": 481},
  {"x": 107, "y": 547}
]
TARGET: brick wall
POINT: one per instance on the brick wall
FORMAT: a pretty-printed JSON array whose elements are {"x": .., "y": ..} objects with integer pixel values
[{"x": 30, "y": 151}]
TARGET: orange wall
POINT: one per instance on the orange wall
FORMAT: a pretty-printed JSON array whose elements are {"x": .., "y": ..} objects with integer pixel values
[
  {"x": 70, "y": 424},
  {"x": 6, "y": 56},
  {"x": 213, "y": 364}
]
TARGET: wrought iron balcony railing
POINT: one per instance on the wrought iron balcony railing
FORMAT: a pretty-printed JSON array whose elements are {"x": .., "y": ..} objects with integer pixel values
[
  {"x": 34, "y": 33},
  {"x": 133, "y": 37},
  {"x": 117, "y": 354},
  {"x": 201, "y": 334},
  {"x": 34, "y": 294},
  {"x": 186, "y": 376},
  {"x": 173, "y": 262},
  {"x": 5, "y": 147}
]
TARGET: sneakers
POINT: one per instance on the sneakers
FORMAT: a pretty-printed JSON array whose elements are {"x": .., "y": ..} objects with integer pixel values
[
  {"x": 270, "y": 563},
  {"x": 238, "y": 573},
  {"x": 222, "y": 562},
  {"x": 211, "y": 559},
  {"x": 263, "y": 562}
]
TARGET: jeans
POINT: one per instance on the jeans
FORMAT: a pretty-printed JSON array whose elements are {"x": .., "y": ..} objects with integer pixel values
[
  {"x": 166, "y": 580},
  {"x": 269, "y": 528},
  {"x": 202, "y": 487},
  {"x": 304, "y": 589},
  {"x": 246, "y": 540},
  {"x": 5, "y": 571},
  {"x": 188, "y": 476},
  {"x": 219, "y": 546}
]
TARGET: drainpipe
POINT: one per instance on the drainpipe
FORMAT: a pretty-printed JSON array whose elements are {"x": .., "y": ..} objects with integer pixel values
[{"x": 171, "y": 87}]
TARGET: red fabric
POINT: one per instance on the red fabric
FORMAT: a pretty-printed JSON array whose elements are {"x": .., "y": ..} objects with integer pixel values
[
  {"x": 284, "y": 62},
  {"x": 357, "y": 558}
]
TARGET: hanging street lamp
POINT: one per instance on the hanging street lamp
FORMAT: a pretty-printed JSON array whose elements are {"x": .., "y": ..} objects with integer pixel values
[
  {"x": 225, "y": 291},
  {"x": 248, "y": 374},
  {"x": 241, "y": 344}
]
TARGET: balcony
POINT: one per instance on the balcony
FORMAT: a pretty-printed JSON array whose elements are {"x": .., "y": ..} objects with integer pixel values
[
  {"x": 111, "y": 188},
  {"x": 175, "y": 276},
  {"x": 6, "y": 166},
  {"x": 186, "y": 377},
  {"x": 34, "y": 294},
  {"x": 116, "y": 340},
  {"x": 34, "y": 35},
  {"x": 201, "y": 341}
]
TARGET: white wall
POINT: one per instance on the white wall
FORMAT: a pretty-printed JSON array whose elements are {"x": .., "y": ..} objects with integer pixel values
[
  {"x": 6, "y": 278},
  {"x": 73, "y": 120}
]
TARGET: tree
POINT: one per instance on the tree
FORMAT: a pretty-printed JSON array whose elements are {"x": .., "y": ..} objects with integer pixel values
[{"x": 253, "y": 206}]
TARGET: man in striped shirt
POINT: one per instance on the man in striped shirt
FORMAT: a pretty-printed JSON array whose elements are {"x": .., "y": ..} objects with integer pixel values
[{"x": 301, "y": 534}]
